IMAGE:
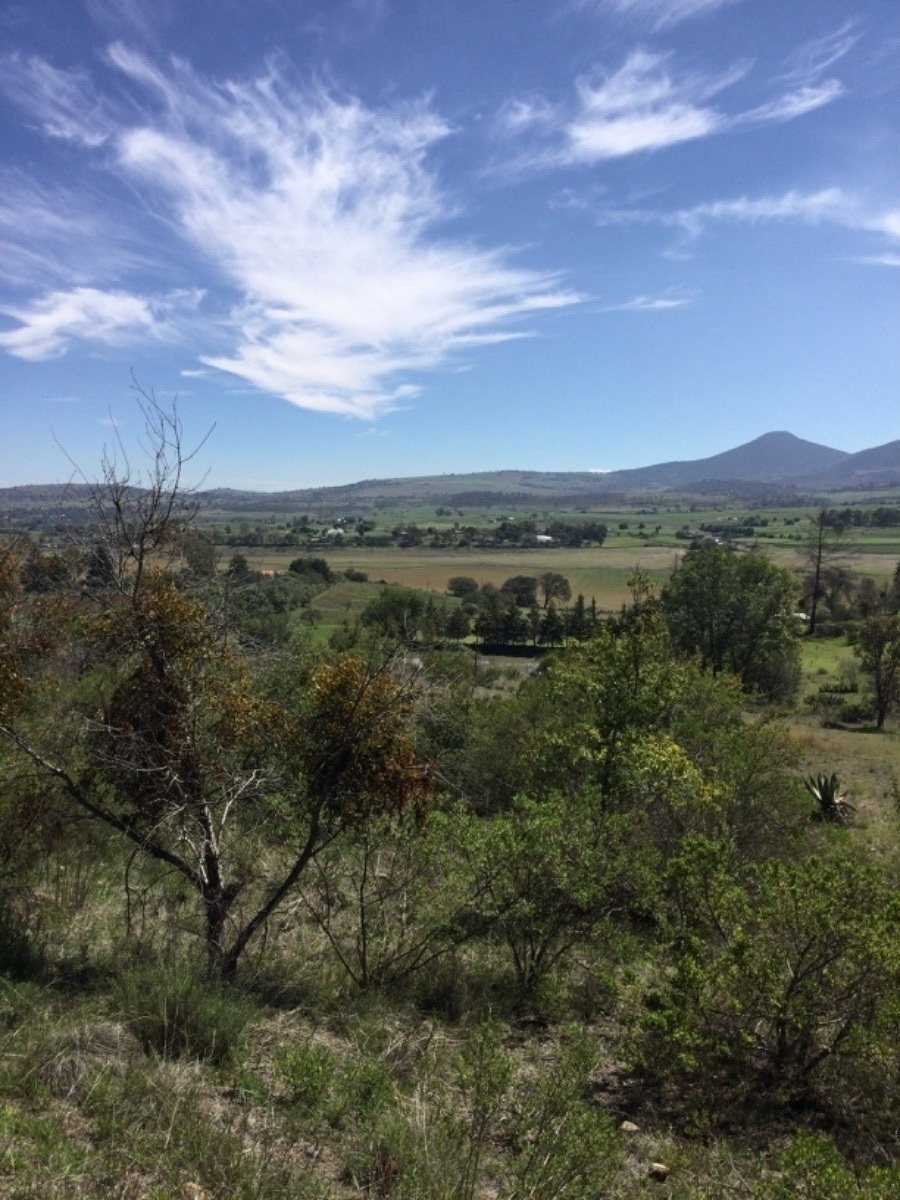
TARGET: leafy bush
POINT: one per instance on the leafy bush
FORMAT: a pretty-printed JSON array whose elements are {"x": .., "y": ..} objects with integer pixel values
[
  {"x": 813, "y": 1166},
  {"x": 307, "y": 1070},
  {"x": 567, "y": 1146},
  {"x": 784, "y": 978}
]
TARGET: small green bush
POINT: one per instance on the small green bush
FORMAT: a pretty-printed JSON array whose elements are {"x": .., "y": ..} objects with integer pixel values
[
  {"x": 813, "y": 1166},
  {"x": 307, "y": 1070},
  {"x": 178, "y": 1015}
]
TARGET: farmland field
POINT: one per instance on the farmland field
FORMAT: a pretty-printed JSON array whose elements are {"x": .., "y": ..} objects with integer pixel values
[{"x": 599, "y": 572}]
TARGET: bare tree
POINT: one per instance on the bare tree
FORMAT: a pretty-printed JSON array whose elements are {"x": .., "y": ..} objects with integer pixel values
[
  {"x": 138, "y": 515},
  {"x": 826, "y": 546}
]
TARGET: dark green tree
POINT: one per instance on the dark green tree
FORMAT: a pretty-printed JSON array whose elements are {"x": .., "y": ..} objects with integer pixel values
[
  {"x": 735, "y": 611},
  {"x": 514, "y": 627},
  {"x": 553, "y": 628},
  {"x": 462, "y": 586},
  {"x": 315, "y": 570},
  {"x": 522, "y": 588},
  {"x": 199, "y": 553},
  {"x": 458, "y": 624},
  {"x": 397, "y": 612},
  {"x": 578, "y": 620}
]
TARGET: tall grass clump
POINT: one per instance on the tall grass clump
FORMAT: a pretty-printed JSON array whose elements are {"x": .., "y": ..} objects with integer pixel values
[{"x": 177, "y": 1014}]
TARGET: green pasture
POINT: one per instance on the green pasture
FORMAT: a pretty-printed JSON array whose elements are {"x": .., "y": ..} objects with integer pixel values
[
  {"x": 822, "y": 658},
  {"x": 342, "y": 602},
  {"x": 600, "y": 572}
]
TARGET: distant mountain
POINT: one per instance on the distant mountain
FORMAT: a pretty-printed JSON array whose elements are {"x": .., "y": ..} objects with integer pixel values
[
  {"x": 773, "y": 458},
  {"x": 775, "y": 461},
  {"x": 878, "y": 467}
]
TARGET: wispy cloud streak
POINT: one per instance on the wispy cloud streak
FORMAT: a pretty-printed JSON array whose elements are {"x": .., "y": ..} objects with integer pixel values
[
  {"x": 318, "y": 214},
  {"x": 645, "y": 106},
  {"x": 649, "y": 304},
  {"x": 49, "y": 324},
  {"x": 61, "y": 101},
  {"x": 659, "y": 13},
  {"x": 832, "y": 206}
]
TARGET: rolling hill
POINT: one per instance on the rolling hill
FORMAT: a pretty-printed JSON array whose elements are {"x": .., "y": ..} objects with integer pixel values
[{"x": 777, "y": 460}]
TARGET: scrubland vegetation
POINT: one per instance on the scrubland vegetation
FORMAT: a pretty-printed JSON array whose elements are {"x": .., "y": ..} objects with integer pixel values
[{"x": 285, "y": 915}]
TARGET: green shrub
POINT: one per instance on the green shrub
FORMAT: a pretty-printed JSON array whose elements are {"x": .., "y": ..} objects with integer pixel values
[
  {"x": 784, "y": 982},
  {"x": 813, "y": 1166},
  {"x": 176, "y": 1014},
  {"x": 566, "y": 1146},
  {"x": 362, "y": 1089},
  {"x": 307, "y": 1070}
]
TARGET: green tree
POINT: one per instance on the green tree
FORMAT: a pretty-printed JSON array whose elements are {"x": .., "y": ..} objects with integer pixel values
[
  {"x": 578, "y": 620},
  {"x": 553, "y": 587},
  {"x": 458, "y": 624},
  {"x": 488, "y": 624},
  {"x": 601, "y": 697},
  {"x": 199, "y": 552},
  {"x": 514, "y": 627},
  {"x": 785, "y": 975},
  {"x": 313, "y": 569},
  {"x": 552, "y": 628},
  {"x": 735, "y": 611},
  {"x": 462, "y": 586},
  {"x": 178, "y": 750},
  {"x": 878, "y": 649},
  {"x": 522, "y": 588},
  {"x": 548, "y": 873},
  {"x": 396, "y": 612}
]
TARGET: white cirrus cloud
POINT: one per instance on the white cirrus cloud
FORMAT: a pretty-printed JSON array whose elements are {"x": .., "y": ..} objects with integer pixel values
[
  {"x": 658, "y": 13},
  {"x": 832, "y": 206},
  {"x": 53, "y": 236},
  {"x": 50, "y": 323},
  {"x": 886, "y": 222},
  {"x": 645, "y": 105},
  {"x": 880, "y": 260},
  {"x": 639, "y": 107},
  {"x": 796, "y": 103},
  {"x": 808, "y": 61},
  {"x": 319, "y": 213},
  {"x": 654, "y": 304},
  {"x": 62, "y": 101},
  {"x": 649, "y": 304},
  {"x": 318, "y": 217}
]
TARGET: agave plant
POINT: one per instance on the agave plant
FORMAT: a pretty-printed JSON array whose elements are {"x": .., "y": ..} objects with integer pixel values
[{"x": 833, "y": 803}]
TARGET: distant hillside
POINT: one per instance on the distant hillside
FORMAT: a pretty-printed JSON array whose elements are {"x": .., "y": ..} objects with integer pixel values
[
  {"x": 878, "y": 467},
  {"x": 774, "y": 461},
  {"x": 773, "y": 458}
]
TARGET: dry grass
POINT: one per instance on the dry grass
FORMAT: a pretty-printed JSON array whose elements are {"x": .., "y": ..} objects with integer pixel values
[{"x": 868, "y": 764}]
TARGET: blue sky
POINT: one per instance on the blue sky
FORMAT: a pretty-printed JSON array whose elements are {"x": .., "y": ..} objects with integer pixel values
[{"x": 372, "y": 238}]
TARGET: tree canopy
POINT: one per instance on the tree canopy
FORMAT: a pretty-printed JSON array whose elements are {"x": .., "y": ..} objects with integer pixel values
[{"x": 735, "y": 611}]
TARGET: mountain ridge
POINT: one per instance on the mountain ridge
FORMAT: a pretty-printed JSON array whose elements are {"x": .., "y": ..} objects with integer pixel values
[{"x": 777, "y": 459}]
